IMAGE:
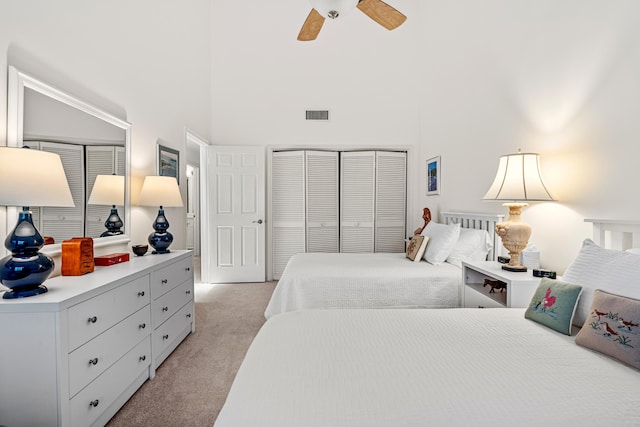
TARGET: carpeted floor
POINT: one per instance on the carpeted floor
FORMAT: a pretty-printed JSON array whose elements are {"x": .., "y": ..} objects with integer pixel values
[{"x": 191, "y": 386}]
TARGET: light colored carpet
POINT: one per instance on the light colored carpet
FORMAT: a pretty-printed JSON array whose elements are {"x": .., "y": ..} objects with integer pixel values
[{"x": 191, "y": 386}]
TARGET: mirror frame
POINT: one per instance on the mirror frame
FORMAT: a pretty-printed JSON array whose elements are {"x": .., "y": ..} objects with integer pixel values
[{"x": 17, "y": 83}]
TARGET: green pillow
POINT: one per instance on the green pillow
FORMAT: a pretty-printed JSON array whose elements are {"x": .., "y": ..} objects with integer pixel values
[{"x": 554, "y": 304}]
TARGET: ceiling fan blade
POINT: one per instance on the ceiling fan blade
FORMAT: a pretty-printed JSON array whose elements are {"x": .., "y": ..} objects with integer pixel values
[
  {"x": 311, "y": 27},
  {"x": 382, "y": 13}
]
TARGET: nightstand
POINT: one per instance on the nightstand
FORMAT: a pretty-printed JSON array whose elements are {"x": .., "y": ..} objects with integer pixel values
[{"x": 519, "y": 286}]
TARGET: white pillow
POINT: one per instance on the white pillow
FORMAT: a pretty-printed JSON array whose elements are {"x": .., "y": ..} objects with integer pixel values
[
  {"x": 472, "y": 245},
  {"x": 442, "y": 239},
  {"x": 633, "y": 251},
  {"x": 613, "y": 271}
]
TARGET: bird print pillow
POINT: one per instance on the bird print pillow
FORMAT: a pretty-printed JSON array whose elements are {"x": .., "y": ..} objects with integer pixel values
[
  {"x": 613, "y": 327},
  {"x": 554, "y": 304}
]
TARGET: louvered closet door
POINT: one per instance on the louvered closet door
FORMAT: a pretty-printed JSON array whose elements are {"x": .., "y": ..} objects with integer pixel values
[
  {"x": 322, "y": 201},
  {"x": 63, "y": 223},
  {"x": 357, "y": 199},
  {"x": 288, "y": 207},
  {"x": 391, "y": 194},
  {"x": 100, "y": 161}
]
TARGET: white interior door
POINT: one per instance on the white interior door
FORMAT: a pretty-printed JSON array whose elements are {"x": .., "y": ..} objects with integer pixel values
[{"x": 237, "y": 206}]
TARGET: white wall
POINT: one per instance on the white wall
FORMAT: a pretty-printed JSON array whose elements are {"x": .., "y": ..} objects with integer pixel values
[
  {"x": 467, "y": 80},
  {"x": 148, "y": 60}
]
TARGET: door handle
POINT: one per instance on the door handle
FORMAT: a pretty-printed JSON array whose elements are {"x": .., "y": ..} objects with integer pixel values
[{"x": 258, "y": 221}]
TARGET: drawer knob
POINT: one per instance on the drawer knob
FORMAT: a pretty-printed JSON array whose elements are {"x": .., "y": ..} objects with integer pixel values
[
  {"x": 188, "y": 315},
  {"x": 94, "y": 403},
  {"x": 188, "y": 292},
  {"x": 92, "y": 319},
  {"x": 141, "y": 293},
  {"x": 93, "y": 361},
  {"x": 142, "y": 326},
  {"x": 165, "y": 281},
  {"x": 143, "y": 358},
  {"x": 165, "y": 308},
  {"x": 187, "y": 269},
  {"x": 165, "y": 337}
]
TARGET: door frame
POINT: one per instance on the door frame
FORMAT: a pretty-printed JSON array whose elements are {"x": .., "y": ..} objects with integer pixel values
[{"x": 205, "y": 268}]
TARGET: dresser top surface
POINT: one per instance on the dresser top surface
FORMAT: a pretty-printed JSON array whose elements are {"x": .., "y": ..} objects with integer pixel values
[{"x": 65, "y": 291}]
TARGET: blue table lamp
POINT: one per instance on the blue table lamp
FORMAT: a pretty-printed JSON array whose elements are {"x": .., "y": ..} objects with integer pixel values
[
  {"x": 109, "y": 190},
  {"x": 160, "y": 191},
  {"x": 29, "y": 178}
]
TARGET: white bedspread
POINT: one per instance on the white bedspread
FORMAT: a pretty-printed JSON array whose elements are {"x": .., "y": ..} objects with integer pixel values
[
  {"x": 373, "y": 280},
  {"x": 458, "y": 367}
]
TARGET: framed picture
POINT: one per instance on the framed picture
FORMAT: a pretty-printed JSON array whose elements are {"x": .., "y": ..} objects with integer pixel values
[
  {"x": 168, "y": 162},
  {"x": 433, "y": 176}
]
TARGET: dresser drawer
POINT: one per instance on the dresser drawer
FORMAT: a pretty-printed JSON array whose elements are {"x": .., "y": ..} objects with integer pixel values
[
  {"x": 166, "y": 334},
  {"x": 94, "y": 357},
  {"x": 90, "y": 318},
  {"x": 91, "y": 402},
  {"x": 165, "y": 306},
  {"x": 167, "y": 278}
]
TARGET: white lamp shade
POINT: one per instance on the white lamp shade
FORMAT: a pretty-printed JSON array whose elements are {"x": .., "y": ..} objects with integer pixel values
[
  {"x": 160, "y": 191},
  {"x": 518, "y": 179},
  {"x": 342, "y": 7},
  {"x": 107, "y": 190},
  {"x": 33, "y": 178}
]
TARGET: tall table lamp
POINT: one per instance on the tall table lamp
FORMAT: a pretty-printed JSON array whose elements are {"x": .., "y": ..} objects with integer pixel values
[
  {"x": 29, "y": 178},
  {"x": 517, "y": 182},
  {"x": 160, "y": 191},
  {"x": 109, "y": 190}
]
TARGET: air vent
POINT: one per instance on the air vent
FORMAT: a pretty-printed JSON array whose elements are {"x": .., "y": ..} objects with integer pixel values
[{"x": 317, "y": 114}]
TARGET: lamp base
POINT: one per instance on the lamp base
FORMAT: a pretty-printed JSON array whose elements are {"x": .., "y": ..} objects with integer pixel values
[
  {"x": 113, "y": 224},
  {"x": 23, "y": 293},
  {"x": 160, "y": 242},
  {"x": 514, "y": 268},
  {"x": 25, "y": 269},
  {"x": 161, "y": 239},
  {"x": 515, "y": 236}
]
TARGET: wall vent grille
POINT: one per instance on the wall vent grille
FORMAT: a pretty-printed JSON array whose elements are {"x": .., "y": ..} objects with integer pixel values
[{"x": 317, "y": 115}]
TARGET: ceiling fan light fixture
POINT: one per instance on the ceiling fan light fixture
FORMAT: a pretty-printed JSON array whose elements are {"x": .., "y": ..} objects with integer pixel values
[{"x": 333, "y": 9}]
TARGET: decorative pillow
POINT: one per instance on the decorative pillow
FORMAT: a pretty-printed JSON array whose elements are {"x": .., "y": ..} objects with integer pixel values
[
  {"x": 472, "y": 245},
  {"x": 554, "y": 304},
  {"x": 442, "y": 239},
  {"x": 607, "y": 269},
  {"x": 416, "y": 247},
  {"x": 613, "y": 327}
]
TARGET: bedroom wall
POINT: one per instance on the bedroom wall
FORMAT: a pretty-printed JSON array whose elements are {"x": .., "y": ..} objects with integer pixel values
[
  {"x": 146, "y": 59},
  {"x": 467, "y": 80},
  {"x": 555, "y": 77}
]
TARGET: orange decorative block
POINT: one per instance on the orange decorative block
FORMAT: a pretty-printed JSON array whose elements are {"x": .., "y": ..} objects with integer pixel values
[
  {"x": 77, "y": 256},
  {"x": 112, "y": 259}
]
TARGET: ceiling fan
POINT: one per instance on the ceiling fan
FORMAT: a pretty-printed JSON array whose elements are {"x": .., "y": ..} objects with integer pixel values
[{"x": 377, "y": 10}]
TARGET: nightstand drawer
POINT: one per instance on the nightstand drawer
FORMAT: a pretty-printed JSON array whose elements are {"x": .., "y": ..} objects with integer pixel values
[{"x": 475, "y": 299}]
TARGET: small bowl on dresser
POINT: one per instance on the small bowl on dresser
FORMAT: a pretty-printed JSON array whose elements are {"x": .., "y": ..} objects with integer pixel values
[{"x": 140, "y": 250}]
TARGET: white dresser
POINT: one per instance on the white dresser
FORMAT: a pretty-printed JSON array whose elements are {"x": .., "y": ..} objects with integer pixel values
[{"x": 74, "y": 355}]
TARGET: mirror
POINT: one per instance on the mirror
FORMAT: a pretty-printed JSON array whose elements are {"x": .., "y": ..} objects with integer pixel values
[{"x": 44, "y": 117}]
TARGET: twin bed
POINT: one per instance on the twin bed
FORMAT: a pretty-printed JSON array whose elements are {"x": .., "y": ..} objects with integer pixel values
[
  {"x": 385, "y": 280},
  {"x": 363, "y": 367}
]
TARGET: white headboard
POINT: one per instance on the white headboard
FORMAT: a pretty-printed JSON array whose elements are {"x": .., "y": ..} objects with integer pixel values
[
  {"x": 616, "y": 234},
  {"x": 478, "y": 221}
]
